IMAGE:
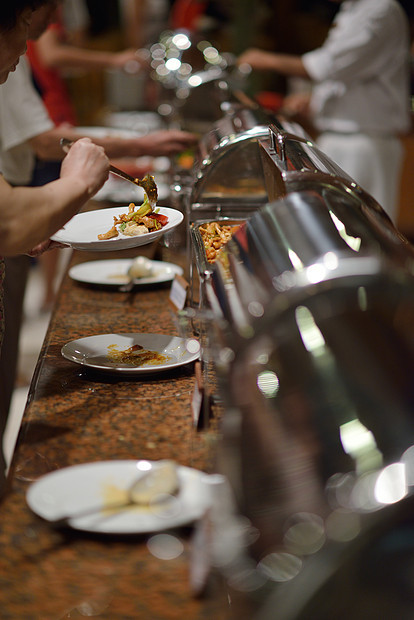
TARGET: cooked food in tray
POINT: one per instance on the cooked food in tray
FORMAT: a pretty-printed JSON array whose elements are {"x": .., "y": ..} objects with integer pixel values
[{"x": 214, "y": 236}]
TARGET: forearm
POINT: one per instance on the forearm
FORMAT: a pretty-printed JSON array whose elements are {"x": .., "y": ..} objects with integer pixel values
[
  {"x": 66, "y": 56},
  {"x": 285, "y": 64},
  {"x": 159, "y": 143},
  {"x": 290, "y": 65},
  {"x": 29, "y": 216},
  {"x": 47, "y": 144}
]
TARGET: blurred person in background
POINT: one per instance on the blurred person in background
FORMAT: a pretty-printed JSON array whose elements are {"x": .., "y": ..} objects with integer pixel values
[
  {"x": 143, "y": 21},
  {"x": 29, "y": 216},
  {"x": 359, "y": 102},
  {"x": 28, "y": 138}
]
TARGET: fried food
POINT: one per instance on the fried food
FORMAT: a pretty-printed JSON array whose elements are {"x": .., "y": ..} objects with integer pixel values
[
  {"x": 134, "y": 223},
  {"x": 142, "y": 221},
  {"x": 214, "y": 236}
]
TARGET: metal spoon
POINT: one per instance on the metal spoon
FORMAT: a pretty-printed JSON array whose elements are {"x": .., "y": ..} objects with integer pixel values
[
  {"x": 147, "y": 183},
  {"x": 159, "y": 482}
]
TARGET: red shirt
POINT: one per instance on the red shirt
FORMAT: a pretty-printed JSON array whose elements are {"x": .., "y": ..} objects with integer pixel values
[{"x": 51, "y": 85}]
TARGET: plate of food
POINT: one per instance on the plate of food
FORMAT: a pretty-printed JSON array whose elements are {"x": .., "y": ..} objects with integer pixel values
[
  {"x": 132, "y": 353},
  {"x": 118, "y": 272},
  {"x": 120, "y": 497},
  {"x": 117, "y": 228}
]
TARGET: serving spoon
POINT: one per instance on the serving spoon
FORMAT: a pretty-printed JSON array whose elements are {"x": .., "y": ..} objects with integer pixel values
[
  {"x": 147, "y": 183},
  {"x": 157, "y": 484}
]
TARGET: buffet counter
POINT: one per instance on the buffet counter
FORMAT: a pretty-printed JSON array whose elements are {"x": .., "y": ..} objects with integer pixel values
[{"x": 76, "y": 416}]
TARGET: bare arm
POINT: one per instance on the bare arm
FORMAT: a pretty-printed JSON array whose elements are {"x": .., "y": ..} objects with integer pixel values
[
  {"x": 47, "y": 144},
  {"x": 29, "y": 216},
  {"x": 53, "y": 53},
  {"x": 285, "y": 64}
]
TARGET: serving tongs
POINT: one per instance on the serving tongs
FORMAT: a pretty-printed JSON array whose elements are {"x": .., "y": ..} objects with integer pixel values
[{"x": 147, "y": 183}]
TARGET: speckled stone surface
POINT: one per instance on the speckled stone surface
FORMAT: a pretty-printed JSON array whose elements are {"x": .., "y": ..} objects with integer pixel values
[{"x": 75, "y": 416}]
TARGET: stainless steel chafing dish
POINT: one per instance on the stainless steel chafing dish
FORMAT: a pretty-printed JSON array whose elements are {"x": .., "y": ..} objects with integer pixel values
[
  {"x": 324, "y": 213},
  {"x": 313, "y": 229},
  {"x": 311, "y": 327},
  {"x": 227, "y": 177}
]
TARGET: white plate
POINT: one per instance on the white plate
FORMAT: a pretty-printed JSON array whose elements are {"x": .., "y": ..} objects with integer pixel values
[
  {"x": 81, "y": 232},
  {"x": 115, "y": 272},
  {"x": 92, "y": 351},
  {"x": 76, "y": 489}
]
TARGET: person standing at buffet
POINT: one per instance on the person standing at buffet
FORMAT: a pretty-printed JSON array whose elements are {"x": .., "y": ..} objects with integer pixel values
[
  {"x": 29, "y": 216},
  {"x": 359, "y": 102},
  {"x": 27, "y": 133}
]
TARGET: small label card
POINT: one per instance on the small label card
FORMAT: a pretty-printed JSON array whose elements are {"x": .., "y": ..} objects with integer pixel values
[{"x": 178, "y": 292}]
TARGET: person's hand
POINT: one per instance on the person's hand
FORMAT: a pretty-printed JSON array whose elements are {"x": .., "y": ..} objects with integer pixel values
[
  {"x": 87, "y": 163},
  {"x": 256, "y": 59},
  {"x": 167, "y": 142},
  {"x": 43, "y": 247}
]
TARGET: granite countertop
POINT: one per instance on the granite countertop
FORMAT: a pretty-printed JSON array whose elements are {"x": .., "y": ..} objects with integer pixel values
[{"x": 76, "y": 416}]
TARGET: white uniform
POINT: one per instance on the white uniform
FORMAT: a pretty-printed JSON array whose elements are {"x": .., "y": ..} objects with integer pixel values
[
  {"x": 360, "y": 101},
  {"x": 22, "y": 116}
]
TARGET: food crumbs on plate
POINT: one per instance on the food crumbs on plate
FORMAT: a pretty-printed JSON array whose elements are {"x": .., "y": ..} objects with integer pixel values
[
  {"x": 119, "y": 277},
  {"x": 115, "y": 499},
  {"x": 136, "y": 356},
  {"x": 156, "y": 486}
]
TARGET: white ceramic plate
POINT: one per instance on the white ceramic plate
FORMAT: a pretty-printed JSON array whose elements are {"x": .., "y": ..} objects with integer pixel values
[
  {"x": 92, "y": 351},
  {"x": 81, "y": 232},
  {"x": 115, "y": 272},
  {"x": 74, "y": 490}
]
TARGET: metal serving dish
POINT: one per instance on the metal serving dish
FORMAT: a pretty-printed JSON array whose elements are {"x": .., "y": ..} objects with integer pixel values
[
  {"x": 312, "y": 335},
  {"x": 311, "y": 230},
  {"x": 309, "y": 312},
  {"x": 230, "y": 169}
]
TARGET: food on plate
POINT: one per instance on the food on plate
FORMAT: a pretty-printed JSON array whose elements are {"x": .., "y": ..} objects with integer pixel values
[
  {"x": 141, "y": 221},
  {"x": 156, "y": 485},
  {"x": 214, "y": 236},
  {"x": 136, "y": 356},
  {"x": 158, "y": 482},
  {"x": 135, "y": 223},
  {"x": 141, "y": 268}
]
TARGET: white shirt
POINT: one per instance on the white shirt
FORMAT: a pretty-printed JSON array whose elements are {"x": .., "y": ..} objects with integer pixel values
[
  {"x": 362, "y": 70},
  {"x": 22, "y": 116}
]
